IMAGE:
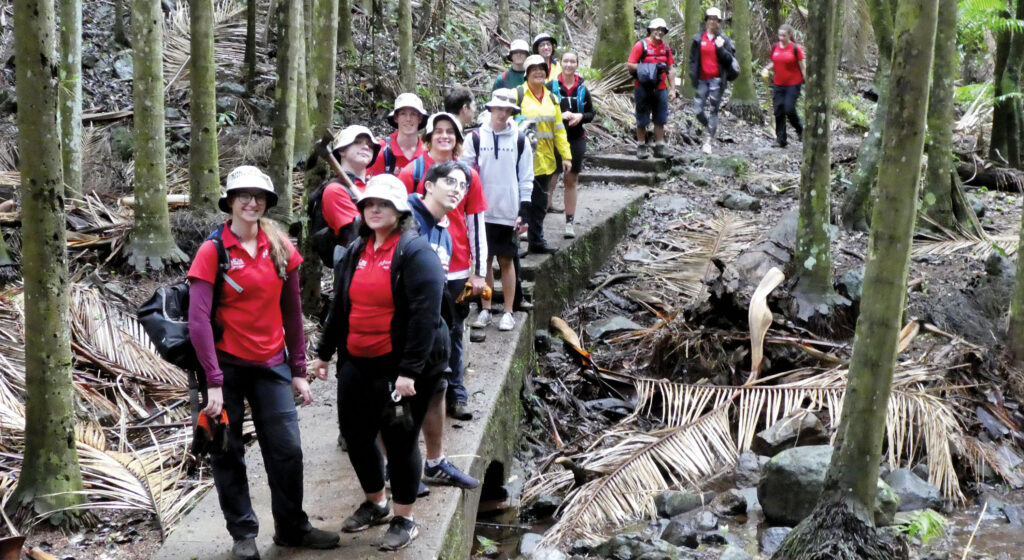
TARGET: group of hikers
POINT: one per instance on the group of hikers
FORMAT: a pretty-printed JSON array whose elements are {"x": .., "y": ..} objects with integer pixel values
[{"x": 411, "y": 225}]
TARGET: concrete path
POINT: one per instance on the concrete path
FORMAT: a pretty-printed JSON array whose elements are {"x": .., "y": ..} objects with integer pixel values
[{"x": 494, "y": 379}]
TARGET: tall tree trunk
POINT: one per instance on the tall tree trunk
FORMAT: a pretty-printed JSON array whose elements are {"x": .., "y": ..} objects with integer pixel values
[
  {"x": 203, "y": 171},
  {"x": 773, "y": 13},
  {"x": 997, "y": 139},
  {"x": 303, "y": 101},
  {"x": 406, "y": 61},
  {"x": 250, "y": 47},
  {"x": 692, "y": 23},
  {"x": 282, "y": 150},
  {"x": 70, "y": 95},
  {"x": 744, "y": 102},
  {"x": 345, "y": 43},
  {"x": 120, "y": 37},
  {"x": 152, "y": 244},
  {"x": 812, "y": 262},
  {"x": 842, "y": 526},
  {"x": 614, "y": 34},
  {"x": 937, "y": 202},
  {"x": 1008, "y": 114},
  {"x": 50, "y": 475},
  {"x": 504, "y": 27}
]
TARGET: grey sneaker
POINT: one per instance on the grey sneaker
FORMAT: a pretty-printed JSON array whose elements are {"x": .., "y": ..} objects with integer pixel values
[
  {"x": 482, "y": 319},
  {"x": 661, "y": 150},
  {"x": 367, "y": 515},
  {"x": 642, "y": 151},
  {"x": 245, "y": 549},
  {"x": 400, "y": 533}
]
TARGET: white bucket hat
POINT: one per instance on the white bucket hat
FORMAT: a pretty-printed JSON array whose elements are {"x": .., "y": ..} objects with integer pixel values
[
  {"x": 544, "y": 37},
  {"x": 448, "y": 116},
  {"x": 518, "y": 45},
  {"x": 346, "y": 136},
  {"x": 713, "y": 13},
  {"x": 503, "y": 98},
  {"x": 247, "y": 177},
  {"x": 386, "y": 187},
  {"x": 659, "y": 23},
  {"x": 536, "y": 60},
  {"x": 407, "y": 100}
]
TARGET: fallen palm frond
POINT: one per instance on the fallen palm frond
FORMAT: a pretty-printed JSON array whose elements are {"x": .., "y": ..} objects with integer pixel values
[
  {"x": 945, "y": 242},
  {"x": 637, "y": 467},
  {"x": 228, "y": 34}
]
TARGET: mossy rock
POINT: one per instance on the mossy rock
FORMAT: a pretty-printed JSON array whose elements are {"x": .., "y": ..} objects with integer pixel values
[
  {"x": 122, "y": 142},
  {"x": 729, "y": 166}
]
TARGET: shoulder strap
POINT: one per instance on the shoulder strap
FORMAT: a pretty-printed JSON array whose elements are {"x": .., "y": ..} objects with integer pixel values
[
  {"x": 643, "y": 49},
  {"x": 474, "y": 137},
  {"x": 520, "y": 146},
  {"x": 520, "y": 95},
  {"x": 389, "y": 156},
  {"x": 796, "y": 53},
  {"x": 504, "y": 76},
  {"x": 417, "y": 172}
]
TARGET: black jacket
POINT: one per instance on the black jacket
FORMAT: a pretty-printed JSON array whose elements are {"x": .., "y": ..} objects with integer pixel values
[
  {"x": 572, "y": 103},
  {"x": 419, "y": 337},
  {"x": 725, "y": 55}
]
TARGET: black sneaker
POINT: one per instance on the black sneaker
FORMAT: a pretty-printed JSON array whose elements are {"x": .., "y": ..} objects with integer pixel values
[
  {"x": 448, "y": 474},
  {"x": 459, "y": 411},
  {"x": 367, "y": 515},
  {"x": 543, "y": 249},
  {"x": 400, "y": 533},
  {"x": 245, "y": 549},
  {"x": 314, "y": 538}
]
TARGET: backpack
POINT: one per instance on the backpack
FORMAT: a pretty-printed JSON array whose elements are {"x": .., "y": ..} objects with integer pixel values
[
  {"x": 733, "y": 70},
  {"x": 474, "y": 137},
  {"x": 418, "y": 169},
  {"x": 389, "y": 157},
  {"x": 647, "y": 73},
  {"x": 322, "y": 238}
]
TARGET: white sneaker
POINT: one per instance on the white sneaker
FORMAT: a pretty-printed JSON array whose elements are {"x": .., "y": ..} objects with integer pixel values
[
  {"x": 570, "y": 232},
  {"x": 482, "y": 319},
  {"x": 706, "y": 148},
  {"x": 507, "y": 323}
]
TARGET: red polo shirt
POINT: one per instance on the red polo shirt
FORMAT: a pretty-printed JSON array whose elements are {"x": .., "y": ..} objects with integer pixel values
[
  {"x": 787, "y": 64},
  {"x": 338, "y": 207},
  {"x": 373, "y": 304},
  {"x": 252, "y": 322},
  {"x": 708, "y": 58},
  {"x": 401, "y": 159},
  {"x": 655, "y": 54},
  {"x": 473, "y": 203}
]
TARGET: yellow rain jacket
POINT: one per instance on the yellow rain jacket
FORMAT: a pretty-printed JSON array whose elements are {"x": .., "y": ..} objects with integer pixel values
[{"x": 547, "y": 113}]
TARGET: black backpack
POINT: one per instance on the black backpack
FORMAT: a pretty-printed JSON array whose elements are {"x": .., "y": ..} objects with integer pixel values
[
  {"x": 322, "y": 238},
  {"x": 389, "y": 157},
  {"x": 648, "y": 73}
]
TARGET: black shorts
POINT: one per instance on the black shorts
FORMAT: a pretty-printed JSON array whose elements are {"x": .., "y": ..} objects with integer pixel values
[
  {"x": 578, "y": 148},
  {"x": 502, "y": 240}
]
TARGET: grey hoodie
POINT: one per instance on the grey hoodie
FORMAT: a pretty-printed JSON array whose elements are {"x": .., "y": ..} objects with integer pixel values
[{"x": 506, "y": 183}]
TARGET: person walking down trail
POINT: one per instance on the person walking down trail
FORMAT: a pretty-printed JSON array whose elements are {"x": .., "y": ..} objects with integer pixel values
[
  {"x": 790, "y": 68},
  {"x": 385, "y": 323},
  {"x": 545, "y": 45},
  {"x": 712, "y": 64},
  {"x": 460, "y": 102},
  {"x": 259, "y": 357},
  {"x": 577, "y": 110},
  {"x": 516, "y": 73},
  {"x": 404, "y": 144},
  {"x": 652, "y": 62},
  {"x": 540, "y": 106},
  {"x": 505, "y": 160}
]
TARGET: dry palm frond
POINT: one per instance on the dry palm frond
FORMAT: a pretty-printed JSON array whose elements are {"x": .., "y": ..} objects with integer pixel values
[
  {"x": 946, "y": 242},
  {"x": 999, "y": 457},
  {"x": 228, "y": 34},
  {"x": 639, "y": 466}
]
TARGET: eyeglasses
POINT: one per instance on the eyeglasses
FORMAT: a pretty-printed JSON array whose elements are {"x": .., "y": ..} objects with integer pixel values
[
  {"x": 452, "y": 182},
  {"x": 247, "y": 197}
]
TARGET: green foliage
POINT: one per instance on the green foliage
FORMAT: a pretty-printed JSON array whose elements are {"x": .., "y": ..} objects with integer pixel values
[
  {"x": 488, "y": 547},
  {"x": 967, "y": 95},
  {"x": 590, "y": 74},
  {"x": 227, "y": 118},
  {"x": 978, "y": 16},
  {"x": 924, "y": 525},
  {"x": 852, "y": 112}
]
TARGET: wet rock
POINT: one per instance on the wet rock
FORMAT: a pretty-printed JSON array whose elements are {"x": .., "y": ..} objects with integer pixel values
[
  {"x": 721, "y": 538},
  {"x": 172, "y": 114},
  {"x": 736, "y": 200},
  {"x": 686, "y": 529},
  {"x": 90, "y": 60},
  {"x": 729, "y": 166},
  {"x": 914, "y": 493},
  {"x": 528, "y": 543},
  {"x": 613, "y": 324},
  {"x": 771, "y": 539},
  {"x": 231, "y": 88},
  {"x": 733, "y": 552},
  {"x": 671, "y": 204},
  {"x": 851, "y": 283},
  {"x": 1014, "y": 514},
  {"x": 698, "y": 178},
  {"x": 672, "y": 502},
  {"x": 921, "y": 470},
  {"x": 998, "y": 265},
  {"x": 226, "y": 103},
  {"x": 977, "y": 205},
  {"x": 800, "y": 428},
  {"x": 748, "y": 470},
  {"x": 544, "y": 507},
  {"x": 750, "y": 495},
  {"x": 632, "y": 547},
  {"x": 542, "y": 341},
  {"x": 792, "y": 481},
  {"x": 774, "y": 251},
  {"x": 730, "y": 502},
  {"x": 124, "y": 67},
  {"x": 262, "y": 109},
  {"x": 638, "y": 255}
]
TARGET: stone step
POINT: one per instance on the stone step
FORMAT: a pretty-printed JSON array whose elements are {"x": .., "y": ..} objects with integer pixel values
[
  {"x": 618, "y": 177},
  {"x": 628, "y": 162}
]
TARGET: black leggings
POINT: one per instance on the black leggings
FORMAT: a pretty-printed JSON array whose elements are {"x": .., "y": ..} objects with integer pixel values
[{"x": 364, "y": 397}]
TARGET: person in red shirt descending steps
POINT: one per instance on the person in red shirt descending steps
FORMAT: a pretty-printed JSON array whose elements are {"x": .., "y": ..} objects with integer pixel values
[
  {"x": 711, "y": 54},
  {"x": 653, "y": 64},
  {"x": 790, "y": 68},
  {"x": 404, "y": 144},
  {"x": 259, "y": 314}
]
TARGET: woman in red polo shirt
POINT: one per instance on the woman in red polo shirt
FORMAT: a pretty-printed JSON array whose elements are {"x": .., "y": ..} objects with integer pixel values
[
  {"x": 790, "y": 68},
  {"x": 354, "y": 147},
  {"x": 258, "y": 357},
  {"x": 385, "y": 322}
]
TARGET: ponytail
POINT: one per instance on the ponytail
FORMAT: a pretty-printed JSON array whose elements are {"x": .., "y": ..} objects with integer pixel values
[{"x": 280, "y": 253}]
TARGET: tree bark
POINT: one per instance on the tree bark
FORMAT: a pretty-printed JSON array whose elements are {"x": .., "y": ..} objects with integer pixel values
[
  {"x": 303, "y": 101},
  {"x": 937, "y": 202},
  {"x": 152, "y": 244},
  {"x": 70, "y": 95},
  {"x": 203, "y": 170},
  {"x": 504, "y": 27},
  {"x": 614, "y": 34},
  {"x": 692, "y": 23},
  {"x": 812, "y": 262},
  {"x": 997, "y": 138},
  {"x": 406, "y": 61},
  {"x": 744, "y": 102},
  {"x": 250, "y": 47},
  {"x": 1008, "y": 115},
  {"x": 345, "y": 43},
  {"x": 282, "y": 150},
  {"x": 120, "y": 37},
  {"x": 844, "y": 510},
  {"x": 50, "y": 475}
]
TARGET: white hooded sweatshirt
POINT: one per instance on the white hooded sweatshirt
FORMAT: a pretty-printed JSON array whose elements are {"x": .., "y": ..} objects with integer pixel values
[{"x": 506, "y": 182}]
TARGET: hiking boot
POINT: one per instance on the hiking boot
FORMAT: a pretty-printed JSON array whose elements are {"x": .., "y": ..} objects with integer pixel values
[
  {"x": 570, "y": 232},
  {"x": 482, "y": 319},
  {"x": 400, "y": 533},
  {"x": 702, "y": 119},
  {"x": 544, "y": 249},
  {"x": 779, "y": 144},
  {"x": 447, "y": 474},
  {"x": 459, "y": 411},
  {"x": 245, "y": 549},
  {"x": 367, "y": 515},
  {"x": 642, "y": 152},
  {"x": 317, "y": 539},
  {"x": 661, "y": 151},
  {"x": 706, "y": 148},
  {"x": 507, "y": 323}
]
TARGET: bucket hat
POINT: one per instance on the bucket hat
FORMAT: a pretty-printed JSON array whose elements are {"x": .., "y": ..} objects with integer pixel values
[
  {"x": 407, "y": 100},
  {"x": 503, "y": 98},
  {"x": 536, "y": 60},
  {"x": 659, "y": 23},
  {"x": 518, "y": 45},
  {"x": 444, "y": 116},
  {"x": 247, "y": 177},
  {"x": 346, "y": 136},
  {"x": 713, "y": 13},
  {"x": 386, "y": 187},
  {"x": 543, "y": 37}
]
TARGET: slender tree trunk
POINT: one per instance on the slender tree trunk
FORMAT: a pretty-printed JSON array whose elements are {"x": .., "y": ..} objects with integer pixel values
[
  {"x": 70, "y": 95},
  {"x": 282, "y": 150},
  {"x": 614, "y": 34},
  {"x": 937, "y": 202},
  {"x": 842, "y": 525},
  {"x": 504, "y": 27},
  {"x": 50, "y": 474},
  {"x": 692, "y": 23},
  {"x": 152, "y": 244},
  {"x": 744, "y": 102},
  {"x": 406, "y": 61},
  {"x": 203, "y": 171},
  {"x": 303, "y": 101},
  {"x": 997, "y": 140},
  {"x": 345, "y": 44},
  {"x": 250, "y": 47},
  {"x": 812, "y": 262},
  {"x": 1007, "y": 114},
  {"x": 120, "y": 37},
  {"x": 773, "y": 11}
]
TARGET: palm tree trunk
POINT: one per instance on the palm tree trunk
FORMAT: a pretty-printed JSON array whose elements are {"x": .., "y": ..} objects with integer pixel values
[
  {"x": 250, "y": 47},
  {"x": 70, "y": 95},
  {"x": 120, "y": 37},
  {"x": 203, "y": 170},
  {"x": 282, "y": 150},
  {"x": 50, "y": 476},
  {"x": 303, "y": 101},
  {"x": 744, "y": 102},
  {"x": 842, "y": 526},
  {"x": 406, "y": 62},
  {"x": 937, "y": 202},
  {"x": 152, "y": 244},
  {"x": 614, "y": 34},
  {"x": 1008, "y": 115},
  {"x": 504, "y": 28},
  {"x": 692, "y": 23},
  {"x": 345, "y": 44}
]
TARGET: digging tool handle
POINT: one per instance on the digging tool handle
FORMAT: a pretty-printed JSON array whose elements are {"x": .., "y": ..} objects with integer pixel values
[
  {"x": 325, "y": 152},
  {"x": 40, "y": 554}
]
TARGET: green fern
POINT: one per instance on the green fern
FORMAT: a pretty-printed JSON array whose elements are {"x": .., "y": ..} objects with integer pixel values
[{"x": 924, "y": 525}]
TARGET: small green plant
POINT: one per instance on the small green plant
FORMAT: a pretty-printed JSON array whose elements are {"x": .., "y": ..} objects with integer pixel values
[
  {"x": 924, "y": 525},
  {"x": 488, "y": 547},
  {"x": 227, "y": 118}
]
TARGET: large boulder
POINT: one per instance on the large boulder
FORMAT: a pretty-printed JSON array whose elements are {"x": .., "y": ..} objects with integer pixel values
[
  {"x": 914, "y": 493},
  {"x": 672, "y": 502},
  {"x": 730, "y": 502},
  {"x": 686, "y": 529},
  {"x": 799, "y": 428},
  {"x": 771, "y": 539},
  {"x": 748, "y": 469},
  {"x": 633, "y": 546},
  {"x": 793, "y": 480}
]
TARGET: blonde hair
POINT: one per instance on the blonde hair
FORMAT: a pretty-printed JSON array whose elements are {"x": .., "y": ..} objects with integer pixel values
[{"x": 280, "y": 252}]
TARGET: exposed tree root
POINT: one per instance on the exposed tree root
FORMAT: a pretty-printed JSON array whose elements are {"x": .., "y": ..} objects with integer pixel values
[{"x": 834, "y": 532}]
